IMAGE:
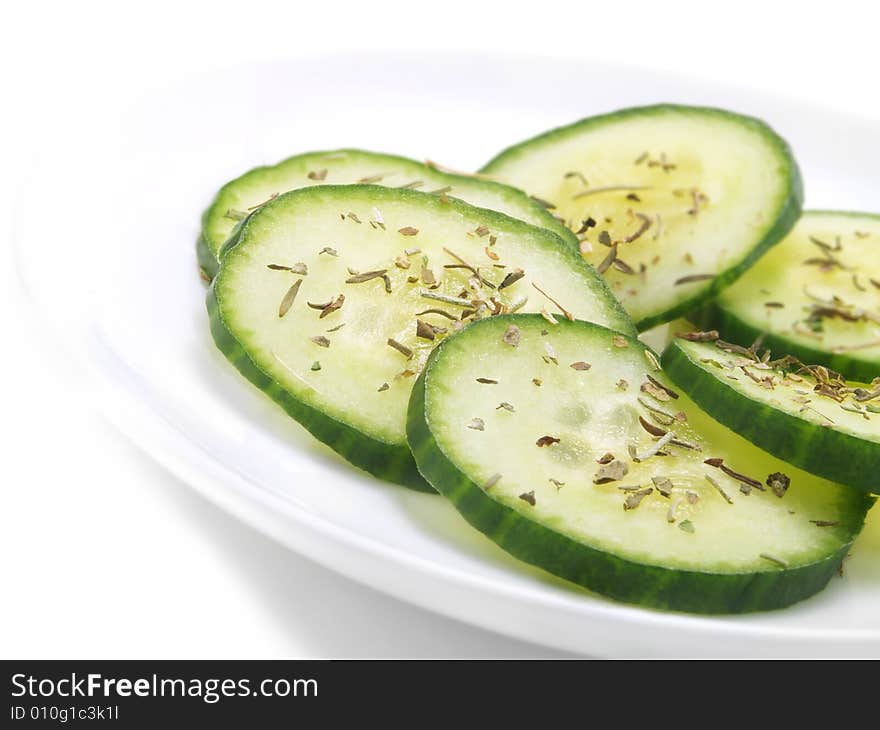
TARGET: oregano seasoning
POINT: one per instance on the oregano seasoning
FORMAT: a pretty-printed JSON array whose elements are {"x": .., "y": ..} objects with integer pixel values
[
  {"x": 651, "y": 428},
  {"x": 332, "y": 306},
  {"x": 586, "y": 225},
  {"x": 742, "y": 478},
  {"x": 663, "y": 485},
  {"x": 708, "y": 336},
  {"x": 773, "y": 559},
  {"x": 655, "y": 392},
  {"x": 298, "y": 268},
  {"x": 546, "y": 441},
  {"x": 511, "y": 278},
  {"x": 568, "y": 315},
  {"x": 605, "y": 264},
  {"x": 427, "y": 331},
  {"x": 491, "y": 481},
  {"x": 779, "y": 483},
  {"x": 692, "y": 278},
  {"x": 235, "y": 215},
  {"x": 634, "y": 499},
  {"x": 441, "y": 312},
  {"x": 400, "y": 347},
  {"x": 669, "y": 391},
  {"x": 289, "y": 297},
  {"x": 366, "y": 276},
  {"x": 645, "y": 224},
  {"x": 611, "y": 472},
  {"x": 512, "y": 335}
]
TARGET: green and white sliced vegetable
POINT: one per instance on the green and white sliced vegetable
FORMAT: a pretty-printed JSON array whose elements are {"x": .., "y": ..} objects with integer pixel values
[
  {"x": 805, "y": 415},
  {"x": 567, "y": 446},
  {"x": 331, "y": 298},
  {"x": 340, "y": 167},
  {"x": 816, "y": 295},
  {"x": 671, "y": 203}
]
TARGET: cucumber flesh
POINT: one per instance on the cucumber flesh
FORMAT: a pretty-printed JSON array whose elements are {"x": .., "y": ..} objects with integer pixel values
[
  {"x": 805, "y": 415},
  {"x": 340, "y": 353},
  {"x": 816, "y": 295},
  {"x": 339, "y": 167},
  {"x": 690, "y": 196},
  {"x": 694, "y": 550}
]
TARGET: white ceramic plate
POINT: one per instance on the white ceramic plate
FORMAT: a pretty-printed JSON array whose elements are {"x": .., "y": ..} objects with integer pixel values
[{"x": 105, "y": 241}]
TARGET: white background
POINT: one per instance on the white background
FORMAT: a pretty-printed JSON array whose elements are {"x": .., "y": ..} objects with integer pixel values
[{"x": 102, "y": 553}]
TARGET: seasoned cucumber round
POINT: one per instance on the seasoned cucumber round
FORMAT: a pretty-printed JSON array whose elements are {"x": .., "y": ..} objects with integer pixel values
[
  {"x": 338, "y": 167},
  {"x": 571, "y": 451},
  {"x": 671, "y": 203},
  {"x": 805, "y": 415},
  {"x": 332, "y": 297},
  {"x": 816, "y": 295}
]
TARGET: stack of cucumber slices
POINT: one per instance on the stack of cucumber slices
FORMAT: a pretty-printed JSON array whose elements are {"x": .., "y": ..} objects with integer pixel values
[{"x": 477, "y": 335}]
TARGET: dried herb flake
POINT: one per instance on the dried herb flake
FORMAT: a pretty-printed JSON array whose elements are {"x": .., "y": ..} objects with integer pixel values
[
  {"x": 512, "y": 335},
  {"x": 634, "y": 499},
  {"x": 611, "y": 472},
  {"x": 687, "y": 526},
  {"x": 491, "y": 481},
  {"x": 779, "y": 483},
  {"x": 289, "y": 297},
  {"x": 400, "y": 347}
]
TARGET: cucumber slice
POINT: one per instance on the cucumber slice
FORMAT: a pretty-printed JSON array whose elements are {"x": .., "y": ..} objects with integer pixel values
[
  {"x": 336, "y": 167},
  {"x": 704, "y": 548},
  {"x": 338, "y": 347},
  {"x": 690, "y": 196},
  {"x": 804, "y": 415},
  {"x": 816, "y": 295}
]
